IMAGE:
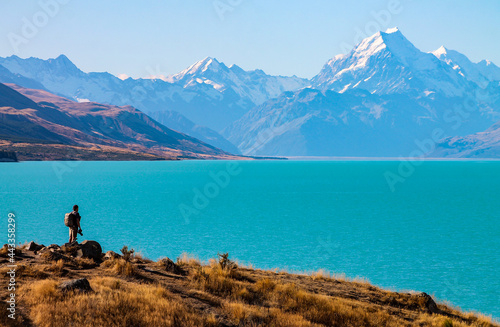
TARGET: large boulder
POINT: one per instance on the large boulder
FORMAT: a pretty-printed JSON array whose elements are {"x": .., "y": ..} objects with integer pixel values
[
  {"x": 54, "y": 247},
  {"x": 170, "y": 266},
  {"x": 426, "y": 303},
  {"x": 81, "y": 285},
  {"x": 50, "y": 248},
  {"x": 32, "y": 246},
  {"x": 89, "y": 249}
]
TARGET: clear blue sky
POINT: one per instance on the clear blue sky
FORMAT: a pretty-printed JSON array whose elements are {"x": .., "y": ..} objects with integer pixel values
[{"x": 285, "y": 37}]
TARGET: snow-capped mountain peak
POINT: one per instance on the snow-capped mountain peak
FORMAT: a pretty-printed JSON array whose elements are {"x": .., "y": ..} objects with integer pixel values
[
  {"x": 204, "y": 65},
  {"x": 391, "y": 40},
  {"x": 197, "y": 69},
  {"x": 392, "y": 30},
  {"x": 207, "y": 92},
  {"x": 480, "y": 73},
  {"x": 440, "y": 51},
  {"x": 387, "y": 62},
  {"x": 254, "y": 86}
]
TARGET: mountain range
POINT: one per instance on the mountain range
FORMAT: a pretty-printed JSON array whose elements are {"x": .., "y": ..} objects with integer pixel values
[
  {"x": 381, "y": 99},
  {"x": 208, "y": 93}
]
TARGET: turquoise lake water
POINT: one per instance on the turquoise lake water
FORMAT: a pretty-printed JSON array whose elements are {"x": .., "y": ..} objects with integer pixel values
[{"x": 437, "y": 231}]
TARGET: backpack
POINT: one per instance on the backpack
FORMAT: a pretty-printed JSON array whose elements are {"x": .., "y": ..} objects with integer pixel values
[{"x": 69, "y": 220}]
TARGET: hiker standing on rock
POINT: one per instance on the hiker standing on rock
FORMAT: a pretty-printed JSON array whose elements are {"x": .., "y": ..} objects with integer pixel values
[{"x": 72, "y": 220}]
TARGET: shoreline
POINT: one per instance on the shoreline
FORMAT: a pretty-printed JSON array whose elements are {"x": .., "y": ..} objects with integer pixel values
[{"x": 278, "y": 159}]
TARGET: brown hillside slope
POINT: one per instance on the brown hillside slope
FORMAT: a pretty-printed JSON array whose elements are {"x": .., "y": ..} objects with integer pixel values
[
  {"x": 130, "y": 290},
  {"x": 39, "y": 117}
]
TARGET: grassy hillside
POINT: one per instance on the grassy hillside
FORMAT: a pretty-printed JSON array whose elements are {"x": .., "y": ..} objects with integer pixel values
[{"x": 129, "y": 290}]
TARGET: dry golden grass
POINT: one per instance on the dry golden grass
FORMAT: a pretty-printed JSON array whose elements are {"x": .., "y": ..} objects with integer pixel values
[
  {"x": 27, "y": 271},
  {"x": 57, "y": 267},
  {"x": 83, "y": 263},
  {"x": 140, "y": 258},
  {"x": 329, "y": 311},
  {"x": 215, "y": 281},
  {"x": 4, "y": 251},
  {"x": 213, "y": 294},
  {"x": 289, "y": 305},
  {"x": 246, "y": 315},
  {"x": 323, "y": 274},
  {"x": 121, "y": 267},
  {"x": 113, "y": 303},
  {"x": 188, "y": 260}
]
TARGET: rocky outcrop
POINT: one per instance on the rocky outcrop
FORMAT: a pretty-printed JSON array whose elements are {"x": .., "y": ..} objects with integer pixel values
[
  {"x": 32, "y": 246},
  {"x": 168, "y": 265},
  {"x": 86, "y": 249},
  {"x": 81, "y": 285},
  {"x": 89, "y": 249},
  {"x": 427, "y": 303}
]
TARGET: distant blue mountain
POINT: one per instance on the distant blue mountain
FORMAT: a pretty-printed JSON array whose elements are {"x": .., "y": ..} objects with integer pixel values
[
  {"x": 479, "y": 145},
  {"x": 381, "y": 99}
]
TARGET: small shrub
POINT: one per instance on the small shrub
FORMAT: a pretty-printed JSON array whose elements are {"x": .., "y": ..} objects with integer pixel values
[
  {"x": 127, "y": 254},
  {"x": 447, "y": 323},
  {"x": 225, "y": 263},
  {"x": 57, "y": 267},
  {"x": 215, "y": 281},
  {"x": 70, "y": 250}
]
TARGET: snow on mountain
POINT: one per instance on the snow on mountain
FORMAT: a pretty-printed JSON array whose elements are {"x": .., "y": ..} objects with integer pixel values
[
  {"x": 377, "y": 100},
  {"x": 387, "y": 62},
  {"x": 62, "y": 77},
  {"x": 380, "y": 99},
  {"x": 480, "y": 73},
  {"x": 208, "y": 92},
  {"x": 254, "y": 85},
  {"x": 480, "y": 145}
]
